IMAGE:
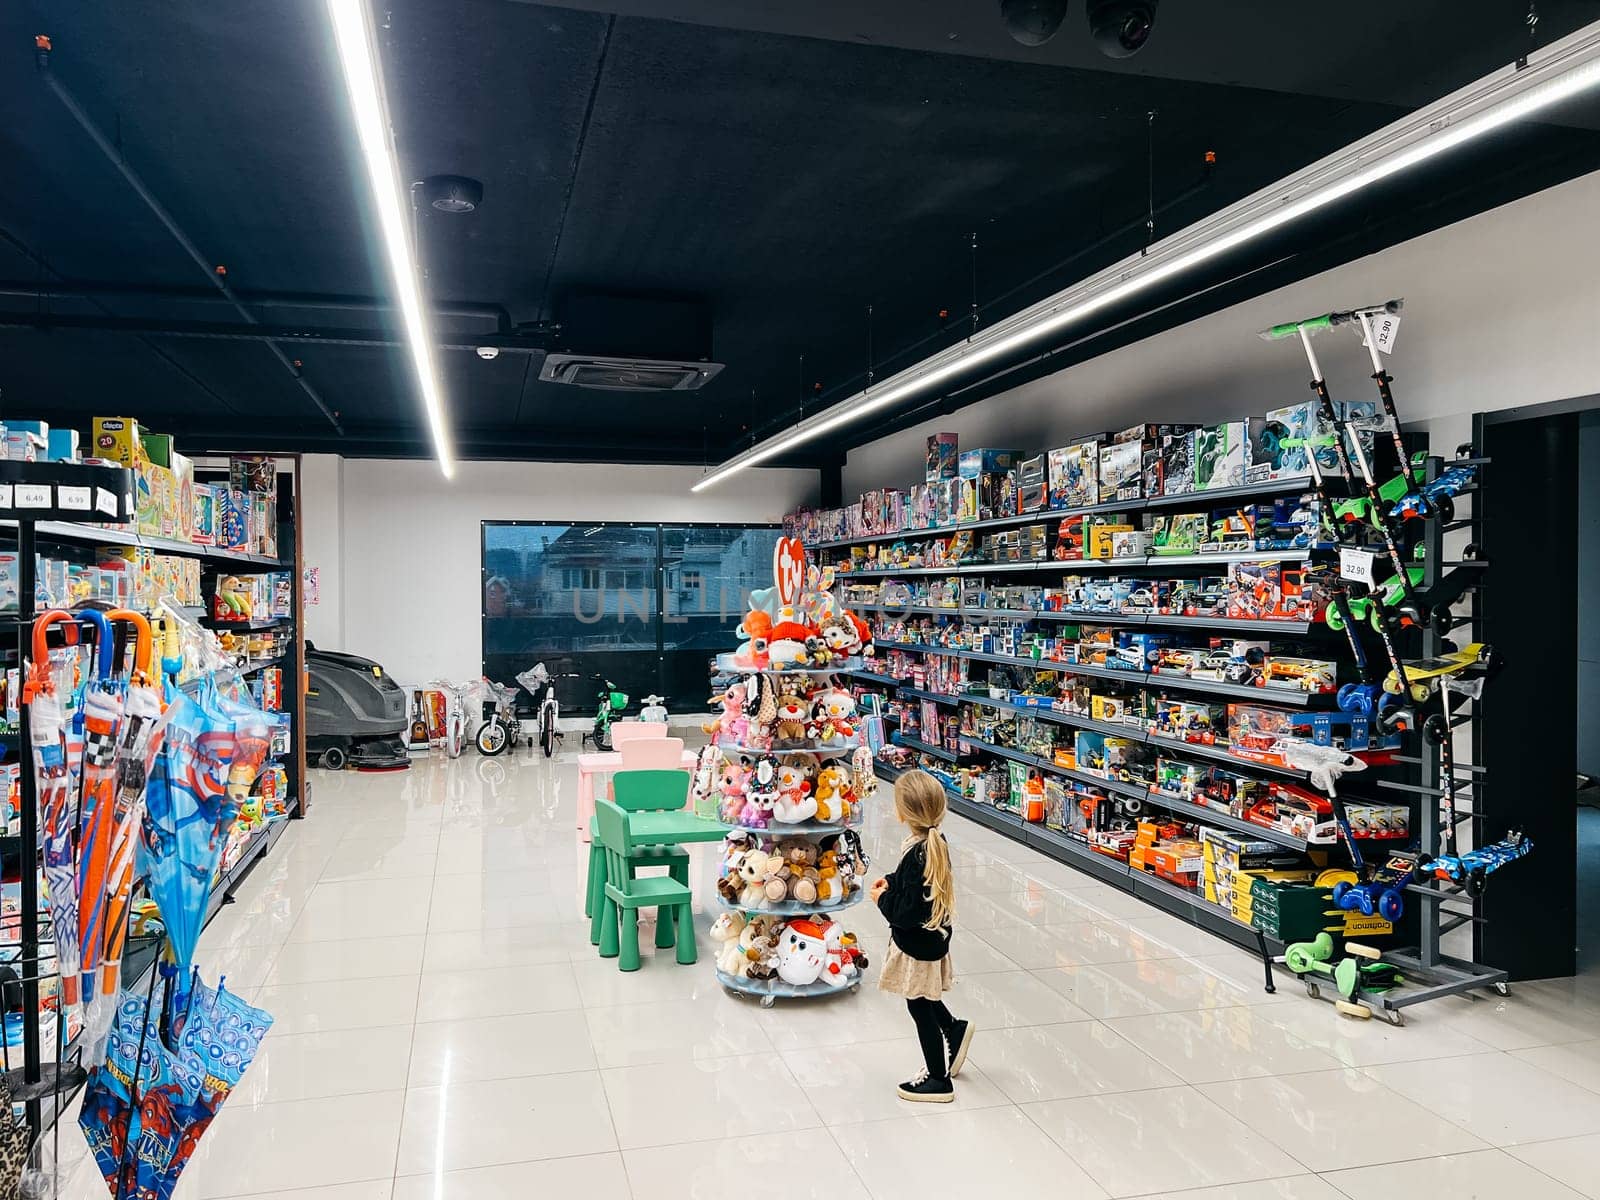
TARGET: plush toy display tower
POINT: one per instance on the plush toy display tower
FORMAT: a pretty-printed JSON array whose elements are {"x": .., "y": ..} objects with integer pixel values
[{"x": 787, "y": 768}]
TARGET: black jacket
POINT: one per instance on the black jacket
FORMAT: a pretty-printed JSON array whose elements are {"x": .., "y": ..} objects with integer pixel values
[{"x": 907, "y": 908}]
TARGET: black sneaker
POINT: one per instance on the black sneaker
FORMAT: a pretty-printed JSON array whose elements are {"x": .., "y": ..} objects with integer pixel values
[
  {"x": 926, "y": 1090},
  {"x": 960, "y": 1042}
]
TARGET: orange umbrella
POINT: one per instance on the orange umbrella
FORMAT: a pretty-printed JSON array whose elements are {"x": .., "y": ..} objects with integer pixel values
[{"x": 102, "y": 712}]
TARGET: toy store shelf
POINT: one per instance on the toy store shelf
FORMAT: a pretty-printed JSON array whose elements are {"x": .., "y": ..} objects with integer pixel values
[
  {"x": 1218, "y": 753},
  {"x": 1075, "y": 854},
  {"x": 1145, "y": 679},
  {"x": 261, "y": 664},
  {"x": 95, "y": 535},
  {"x": 793, "y": 908},
  {"x": 807, "y": 748},
  {"x": 871, "y": 677},
  {"x": 260, "y": 842},
  {"x": 246, "y": 626},
  {"x": 1183, "y": 903},
  {"x": 776, "y": 988},
  {"x": 1295, "y": 483},
  {"x": 936, "y": 697},
  {"x": 876, "y": 572},
  {"x": 1300, "y": 554},
  {"x": 1238, "y": 624},
  {"x": 934, "y": 609},
  {"x": 911, "y": 743},
  {"x": 1008, "y": 823},
  {"x": 1115, "y": 786},
  {"x": 1221, "y": 820},
  {"x": 1082, "y": 617},
  {"x": 812, "y": 827},
  {"x": 1200, "y": 499}
]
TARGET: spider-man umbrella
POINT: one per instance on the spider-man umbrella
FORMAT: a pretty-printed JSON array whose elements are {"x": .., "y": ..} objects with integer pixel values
[
  {"x": 102, "y": 713},
  {"x": 57, "y": 815},
  {"x": 186, "y": 820},
  {"x": 145, "y": 1109},
  {"x": 139, "y": 738}
]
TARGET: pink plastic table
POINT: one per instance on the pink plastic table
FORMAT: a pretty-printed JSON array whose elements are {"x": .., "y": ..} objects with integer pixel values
[{"x": 591, "y": 765}]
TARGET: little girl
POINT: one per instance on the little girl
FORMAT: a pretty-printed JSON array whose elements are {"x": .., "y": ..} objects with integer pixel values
[{"x": 918, "y": 900}]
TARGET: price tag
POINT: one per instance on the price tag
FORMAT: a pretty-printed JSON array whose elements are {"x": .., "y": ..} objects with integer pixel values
[
  {"x": 105, "y": 502},
  {"x": 33, "y": 495},
  {"x": 1356, "y": 565},
  {"x": 74, "y": 498},
  {"x": 5, "y": 495},
  {"x": 1385, "y": 328}
]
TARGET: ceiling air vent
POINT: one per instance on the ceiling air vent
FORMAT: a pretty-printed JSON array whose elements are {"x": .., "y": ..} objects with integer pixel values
[{"x": 627, "y": 374}]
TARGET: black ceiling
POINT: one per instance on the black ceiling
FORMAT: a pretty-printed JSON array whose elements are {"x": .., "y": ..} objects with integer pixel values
[{"x": 791, "y": 164}]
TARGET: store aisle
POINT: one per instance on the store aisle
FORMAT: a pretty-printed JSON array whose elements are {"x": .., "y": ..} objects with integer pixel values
[{"x": 444, "y": 1030}]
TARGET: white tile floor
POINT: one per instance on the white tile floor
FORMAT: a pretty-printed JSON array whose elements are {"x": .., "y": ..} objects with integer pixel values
[{"x": 445, "y": 1030}]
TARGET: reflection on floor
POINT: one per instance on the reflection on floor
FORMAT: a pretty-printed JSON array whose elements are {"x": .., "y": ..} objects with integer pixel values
[{"x": 444, "y": 1029}]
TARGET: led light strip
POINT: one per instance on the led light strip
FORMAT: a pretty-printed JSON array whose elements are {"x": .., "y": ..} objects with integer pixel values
[
  {"x": 363, "y": 79},
  {"x": 1552, "y": 75}
]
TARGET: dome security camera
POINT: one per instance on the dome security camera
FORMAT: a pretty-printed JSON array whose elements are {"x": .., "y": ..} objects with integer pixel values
[
  {"x": 488, "y": 353},
  {"x": 1120, "y": 28},
  {"x": 1033, "y": 22}
]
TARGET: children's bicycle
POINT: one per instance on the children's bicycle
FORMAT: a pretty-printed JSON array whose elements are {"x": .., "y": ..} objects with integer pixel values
[{"x": 610, "y": 703}]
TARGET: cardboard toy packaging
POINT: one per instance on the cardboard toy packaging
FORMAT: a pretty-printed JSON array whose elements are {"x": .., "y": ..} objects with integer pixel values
[
  {"x": 1269, "y": 458},
  {"x": 1033, "y": 488},
  {"x": 253, "y": 473},
  {"x": 205, "y": 515},
  {"x": 233, "y": 519},
  {"x": 943, "y": 459},
  {"x": 1177, "y": 464},
  {"x": 1219, "y": 455},
  {"x": 1075, "y": 475},
  {"x": 1121, "y": 472},
  {"x": 117, "y": 438},
  {"x": 63, "y": 445}
]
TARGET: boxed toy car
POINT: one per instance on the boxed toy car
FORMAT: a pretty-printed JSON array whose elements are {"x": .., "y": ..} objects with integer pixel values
[
  {"x": 1098, "y": 532},
  {"x": 1033, "y": 484},
  {"x": 1270, "y": 458},
  {"x": 1219, "y": 455},
  {"x": 1175, "y": 861},
  {"x": 1178, "y": 779},
  {"x": 1313, "y": 676},
  {"x": 1130, "y": 543},
  {"x": 1258, "y": 733},
  {"x": 1179, "y": 533},
  {"x": 1232, "y": 528},
  {"x": 943, "y": 460},
  {"x": 1270, "y": 591},
  {"x": 1194, "y": 721},
  {"x": 1121, "y": 471},
  {"x": 1093, "y": 646},
  {"x": 1294, "y": 811},
  {"x": 1204, "y": 596},
  {"x": 1378, "y": 821},
  {"x": 1177, "y": 464},
  {"x": 1138, "y": 651},
  {"x": 1074, "y": 475},
  {"x": 1291, "y": 523}
]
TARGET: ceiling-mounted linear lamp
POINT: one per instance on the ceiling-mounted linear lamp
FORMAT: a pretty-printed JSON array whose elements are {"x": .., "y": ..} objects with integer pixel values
[
  {"x": 1558, "y": 72},
  {"x": 363, "y": 79}
]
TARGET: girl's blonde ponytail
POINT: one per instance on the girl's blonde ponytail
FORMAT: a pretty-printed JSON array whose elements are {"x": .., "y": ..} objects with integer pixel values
[{"x": 919, "y": 802}]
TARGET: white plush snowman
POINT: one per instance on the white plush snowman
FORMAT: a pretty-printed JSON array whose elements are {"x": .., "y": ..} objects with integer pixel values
[{"x": 802, "y": 950}]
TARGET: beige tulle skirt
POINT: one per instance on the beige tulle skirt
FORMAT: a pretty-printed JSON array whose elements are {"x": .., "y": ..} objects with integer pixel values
[{"x": 915, "y": 978}]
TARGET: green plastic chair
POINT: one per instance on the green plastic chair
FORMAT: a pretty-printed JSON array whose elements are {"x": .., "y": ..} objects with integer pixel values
[
  {"x": 639, "y": 791},
  {"x": 625, "y": 894}
]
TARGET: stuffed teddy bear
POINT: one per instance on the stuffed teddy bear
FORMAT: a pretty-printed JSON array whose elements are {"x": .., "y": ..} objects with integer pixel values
[
  {"x": 795, "y": 801},
  {"x": 792, "y": 720},
  {"x": 759, "y": 944},
  {"x": 832, "y": 888},
  {"x": 726, "y": 931},
  {"x": 795, "y": 876},
  {"x": 832, "y": 793}
]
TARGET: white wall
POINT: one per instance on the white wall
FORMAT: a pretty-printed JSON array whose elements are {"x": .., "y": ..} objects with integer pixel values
[
  {"x": 399, "y": 549},
  {"x": 1500, "y": 311}
]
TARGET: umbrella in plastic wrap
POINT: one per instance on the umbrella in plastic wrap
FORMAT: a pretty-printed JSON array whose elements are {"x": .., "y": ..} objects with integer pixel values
[
  {"x": 102, "y": 713},
  {"x": 139, "y": 738},
  {"x": 15, "y": 1140},
  {"x": 147, "y": 1107},
  {"x": 187, "y": 816},
  {"x": 57, "y": 813}
]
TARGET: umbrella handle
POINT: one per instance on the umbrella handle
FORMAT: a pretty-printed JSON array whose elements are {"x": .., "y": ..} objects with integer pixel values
[
  {"x": 41, "y": 650},
  {"x": 143, "y": 643},
  {"x": 103, "y": 639}
]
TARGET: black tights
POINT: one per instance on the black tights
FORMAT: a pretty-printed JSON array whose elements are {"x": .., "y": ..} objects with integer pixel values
[{"x": 935, "y": 1026}]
